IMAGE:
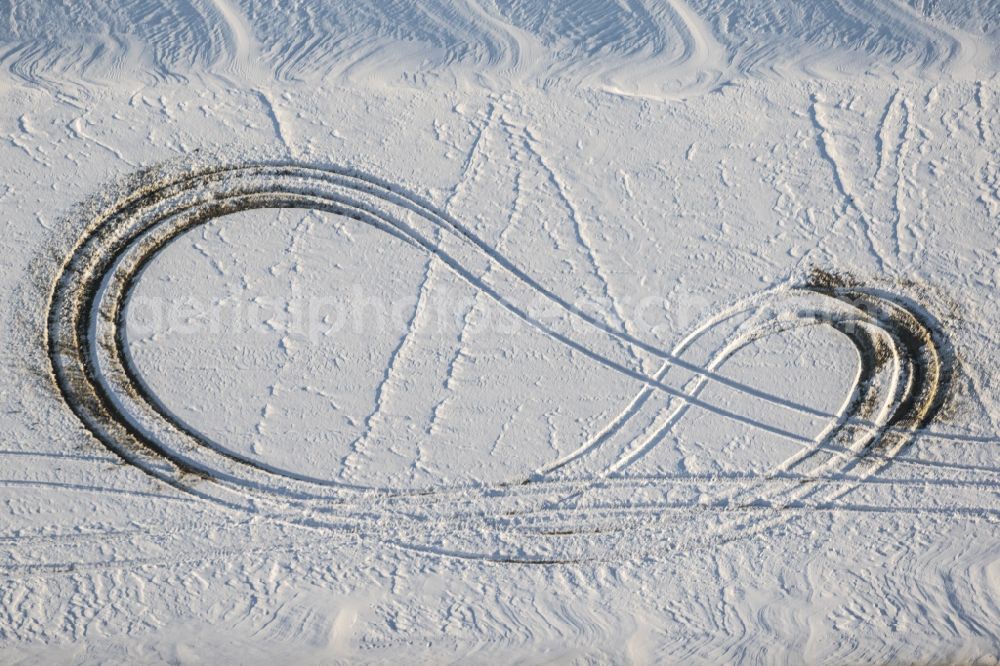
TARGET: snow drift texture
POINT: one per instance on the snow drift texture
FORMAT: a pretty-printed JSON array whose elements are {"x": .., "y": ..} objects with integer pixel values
[
  {"x": 633, "y": 45},
  {"x": 705, "y": 157}
]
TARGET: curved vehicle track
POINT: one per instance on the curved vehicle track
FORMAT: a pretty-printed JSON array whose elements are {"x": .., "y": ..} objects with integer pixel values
[{"x": 904, "y": 368}]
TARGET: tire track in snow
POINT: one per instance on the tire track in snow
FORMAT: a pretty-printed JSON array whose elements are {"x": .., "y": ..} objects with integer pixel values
[
  {"x": 87, "y": 343},
  {"x": 845, "y": 442}
]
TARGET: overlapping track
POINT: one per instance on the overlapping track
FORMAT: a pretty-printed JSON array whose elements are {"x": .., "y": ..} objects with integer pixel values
[{"x": 903, "y": 370}]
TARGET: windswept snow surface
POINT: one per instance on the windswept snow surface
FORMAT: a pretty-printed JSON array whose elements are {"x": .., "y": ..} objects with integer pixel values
[{"x": 511, "y": 331}]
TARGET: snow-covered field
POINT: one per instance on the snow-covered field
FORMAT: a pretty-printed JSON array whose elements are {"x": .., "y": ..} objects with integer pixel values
[{"x": 500, "y": 330}]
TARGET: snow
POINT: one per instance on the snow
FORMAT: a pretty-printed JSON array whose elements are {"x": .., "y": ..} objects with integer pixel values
[{"x": 503, "y": 331}]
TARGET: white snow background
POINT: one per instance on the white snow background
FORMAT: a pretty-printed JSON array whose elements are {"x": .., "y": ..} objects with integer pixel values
[{"x": 496, "y": 486}]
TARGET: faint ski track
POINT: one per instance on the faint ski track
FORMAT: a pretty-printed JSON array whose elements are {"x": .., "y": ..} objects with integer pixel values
[
  {"x": 413, "y": 328},
  {"x": 88, "y": 347},
  {"x": 579, "y": 228},
  {"x": 272, "y": 115},
  {"x": 824, "y": 141},
  {"x": 460, "y": 348}
]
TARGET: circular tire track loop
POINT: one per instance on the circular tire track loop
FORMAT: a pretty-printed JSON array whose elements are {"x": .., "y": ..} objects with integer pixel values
[{"x": 904, "y": 367}]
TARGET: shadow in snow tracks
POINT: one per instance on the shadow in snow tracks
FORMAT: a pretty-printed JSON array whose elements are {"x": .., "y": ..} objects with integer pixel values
[{"x": 904, "y": 369}]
